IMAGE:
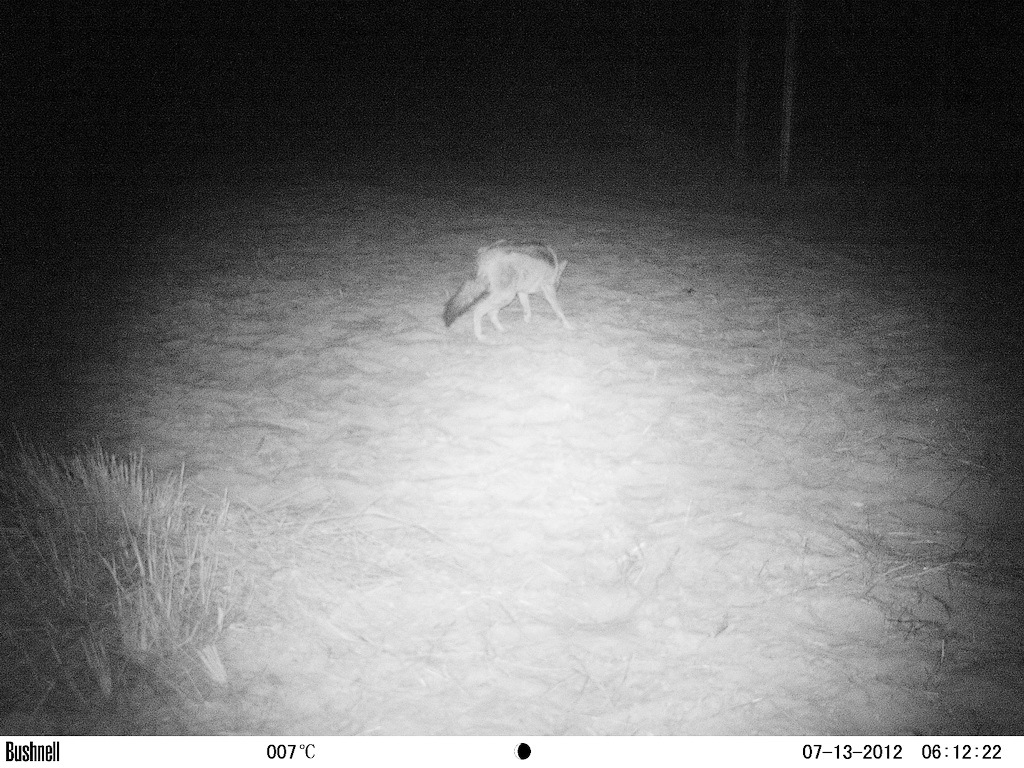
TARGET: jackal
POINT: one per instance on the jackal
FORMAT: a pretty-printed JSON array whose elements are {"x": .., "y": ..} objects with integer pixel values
[{"x": 505, "y": 270}]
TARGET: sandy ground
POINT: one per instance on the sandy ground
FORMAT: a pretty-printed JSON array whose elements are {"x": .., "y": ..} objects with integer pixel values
[{"x": 770, "y": 485}]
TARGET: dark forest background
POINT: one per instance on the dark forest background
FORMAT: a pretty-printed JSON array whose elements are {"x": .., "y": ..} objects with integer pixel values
[{"x": 102, "y": 99}]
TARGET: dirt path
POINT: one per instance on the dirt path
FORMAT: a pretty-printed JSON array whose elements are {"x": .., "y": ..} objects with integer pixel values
[{"x": 764, "y": 488}]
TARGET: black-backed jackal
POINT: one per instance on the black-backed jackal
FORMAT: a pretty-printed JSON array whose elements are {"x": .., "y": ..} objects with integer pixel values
[{"x": 505, "y": 270}]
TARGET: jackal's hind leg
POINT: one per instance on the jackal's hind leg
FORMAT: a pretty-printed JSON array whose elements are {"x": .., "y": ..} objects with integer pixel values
[{"x": 524, "y": 299}]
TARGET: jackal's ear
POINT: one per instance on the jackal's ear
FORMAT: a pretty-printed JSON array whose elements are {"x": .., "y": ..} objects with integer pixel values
[{"x": 560, "y": 269}]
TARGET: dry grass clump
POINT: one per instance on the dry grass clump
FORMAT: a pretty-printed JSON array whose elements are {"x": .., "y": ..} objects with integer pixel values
[{"x": 110, "y": 580}]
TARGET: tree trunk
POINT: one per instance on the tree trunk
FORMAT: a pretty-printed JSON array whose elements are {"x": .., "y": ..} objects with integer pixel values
[
  {"x": 789, "y": 75},
  {"x": 739, "y": 132}
]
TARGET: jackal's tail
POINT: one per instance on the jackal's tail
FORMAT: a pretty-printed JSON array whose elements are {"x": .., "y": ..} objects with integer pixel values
[{"x": 469, "y": 294}]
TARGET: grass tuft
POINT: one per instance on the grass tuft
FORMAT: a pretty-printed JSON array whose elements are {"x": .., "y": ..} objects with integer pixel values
[{"x": 111, "y": 580}]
